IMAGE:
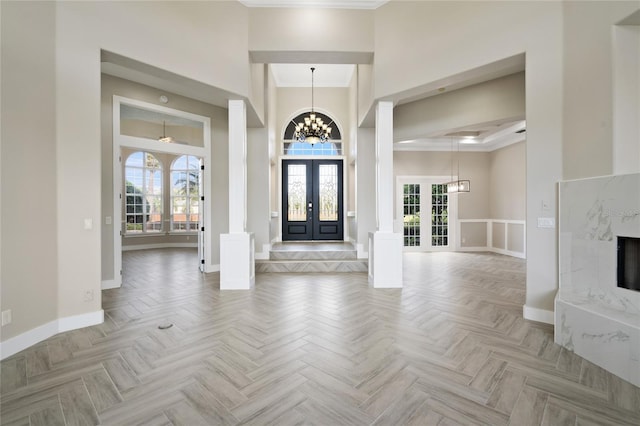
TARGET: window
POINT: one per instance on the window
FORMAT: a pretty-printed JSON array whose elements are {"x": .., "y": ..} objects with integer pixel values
[
  {"x": 331, "y": 147},
  {"x": 185, "y": 193},
  {"x": 411, "y": 218},
  {"x": 425, "y": 208},
  {"x": 143, "y": 191},
  {"x": 439, "y": 216}
]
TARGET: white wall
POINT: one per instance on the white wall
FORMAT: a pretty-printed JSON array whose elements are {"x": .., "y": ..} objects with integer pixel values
[{"x": 29, "y": 273}]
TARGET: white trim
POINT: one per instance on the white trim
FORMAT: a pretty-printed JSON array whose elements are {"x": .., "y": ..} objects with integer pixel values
[
  {"x": 159, "y": 245},
  {"x": 489, "y": 237},
  {"x": 156, "y": 146},
  {"x": 108, "y": 284},
  {"x": 538, "y": 315},
  {"x": 80, "y": 321},
  {"x": 453, "y": 218},
  {"x": 36, "y": 335}
]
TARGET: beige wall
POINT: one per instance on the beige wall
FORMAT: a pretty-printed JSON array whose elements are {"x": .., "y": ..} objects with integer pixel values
[
  {"x": 29, "y": 257},
  {"x": 485, "y": 32},
  {"x": 568, "y": 104},
  {"x": 366, "y": 192},
  {"x": 307, "y": 29},
  {"x": 588, "y": 85},
  {"x": 473, "y": 166},
  {"x": 495, "y": 100},
  {"x": 219, "y": 159},
  {"x": 258, "y": 191},
  {"x": 507, "y": 182}
]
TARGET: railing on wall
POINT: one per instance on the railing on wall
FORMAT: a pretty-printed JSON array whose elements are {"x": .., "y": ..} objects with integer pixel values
[{"x": 496, "y": 235}]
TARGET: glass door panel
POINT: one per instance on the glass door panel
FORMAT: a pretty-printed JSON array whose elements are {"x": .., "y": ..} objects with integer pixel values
[{"x": 297, "y": 193}]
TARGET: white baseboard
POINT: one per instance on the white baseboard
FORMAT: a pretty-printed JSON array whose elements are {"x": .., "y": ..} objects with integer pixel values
[
  {"x": 517, "y": 254},
  {"x": 107, "y": 284},
  {"x": 36, "y": 335},
  {"x": 157, "y": 246},
  {"x": 494, "y": 250},
  {"x": 80, "y": 321},
  {"x": 538, "y": 315}
]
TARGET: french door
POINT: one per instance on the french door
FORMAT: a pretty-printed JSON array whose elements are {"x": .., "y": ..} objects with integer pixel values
[
  {"x": 312, "y": 200},
  {"x": 428, "y": 214}
]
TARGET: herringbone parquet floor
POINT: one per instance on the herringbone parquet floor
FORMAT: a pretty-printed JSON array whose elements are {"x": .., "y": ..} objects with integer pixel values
[{"x": 450, "y": 348}]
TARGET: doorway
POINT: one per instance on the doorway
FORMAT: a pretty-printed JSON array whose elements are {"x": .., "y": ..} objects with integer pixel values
[
  {"x": 312, "y": 198},
  {"x": 428, "y": 214}
]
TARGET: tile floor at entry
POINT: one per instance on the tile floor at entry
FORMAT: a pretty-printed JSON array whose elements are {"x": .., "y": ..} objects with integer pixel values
[{"x": 449, "y": 348}]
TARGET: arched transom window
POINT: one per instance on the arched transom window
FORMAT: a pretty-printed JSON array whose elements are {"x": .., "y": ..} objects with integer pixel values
[{"x": 331, "y": 147}]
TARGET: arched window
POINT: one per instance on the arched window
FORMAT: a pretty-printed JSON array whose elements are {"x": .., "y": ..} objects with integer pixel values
[
  {"x": 143, "y": 190},
  {"x": 331, "y": 147},
  {"x": 185, "y": 193}
]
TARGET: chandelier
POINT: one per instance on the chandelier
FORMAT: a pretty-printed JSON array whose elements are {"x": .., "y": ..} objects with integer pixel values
[
  {"x": 457, "y": 185},
  {"x": 313, "y": 129}
]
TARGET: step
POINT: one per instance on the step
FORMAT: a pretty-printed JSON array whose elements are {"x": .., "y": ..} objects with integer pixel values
[
  {"x": 313, "y": 251},
  {"x": 346, "y": 265}
]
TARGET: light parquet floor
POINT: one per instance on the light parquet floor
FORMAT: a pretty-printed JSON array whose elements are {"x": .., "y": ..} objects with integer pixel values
[{"x": 449, "y": 348}]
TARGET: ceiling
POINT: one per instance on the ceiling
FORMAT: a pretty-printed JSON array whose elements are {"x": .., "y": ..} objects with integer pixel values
[
  {"x": 483, "y": 137},
  {"x": 325, "y": 4},
  {"x": 325, "y": 75}
]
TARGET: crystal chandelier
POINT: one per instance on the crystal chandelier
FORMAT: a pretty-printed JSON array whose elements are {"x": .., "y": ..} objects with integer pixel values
[{"x": 313, "y": 129}]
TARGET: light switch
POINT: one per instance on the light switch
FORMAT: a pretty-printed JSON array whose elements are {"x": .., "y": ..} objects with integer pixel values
[
  {"x": 107, "y": 220},
  {"x": 88, "y": 224}
]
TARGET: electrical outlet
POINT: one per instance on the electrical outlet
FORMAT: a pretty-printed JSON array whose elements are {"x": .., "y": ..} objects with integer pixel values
[
  {"x": 464, "y": 240},
  {"x": 6, "y": 317},
  {"x": 88, "y": 295}
]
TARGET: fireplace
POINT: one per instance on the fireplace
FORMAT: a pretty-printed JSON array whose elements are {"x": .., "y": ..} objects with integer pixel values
[{"x": 629, "y": 263}]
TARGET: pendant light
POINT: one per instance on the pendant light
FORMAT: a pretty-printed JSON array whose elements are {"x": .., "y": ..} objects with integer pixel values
[
  {"x": 312, "y": 130},
  {"x": 458, "y": 185}
]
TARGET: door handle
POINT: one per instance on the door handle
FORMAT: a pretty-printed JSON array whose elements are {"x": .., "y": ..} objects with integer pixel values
[{"x": 310, "y": 206}]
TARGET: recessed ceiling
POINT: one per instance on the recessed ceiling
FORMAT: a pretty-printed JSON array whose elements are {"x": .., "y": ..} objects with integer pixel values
[
  {"x": 478, "y": 137},
  {"x": 325, "y": 4},
  {"x": 325, "y": 75}
]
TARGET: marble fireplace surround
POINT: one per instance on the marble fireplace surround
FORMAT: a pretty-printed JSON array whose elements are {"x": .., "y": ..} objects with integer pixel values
[{"x": 593, "y": 316}]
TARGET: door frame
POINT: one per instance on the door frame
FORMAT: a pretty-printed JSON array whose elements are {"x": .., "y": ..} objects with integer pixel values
[
  {"x": 151, "y": 145},
  {"x": 453, "y": 206},
  {"x": 345, "y": 185}
]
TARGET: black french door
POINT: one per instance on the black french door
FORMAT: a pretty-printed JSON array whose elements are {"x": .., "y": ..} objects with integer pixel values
[{"x": 312, "y": 200}]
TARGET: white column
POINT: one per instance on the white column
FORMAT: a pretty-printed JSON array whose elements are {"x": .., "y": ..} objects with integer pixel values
[
  {"x": 385, "y": 246},
  {"x": 237, "y": 271}
]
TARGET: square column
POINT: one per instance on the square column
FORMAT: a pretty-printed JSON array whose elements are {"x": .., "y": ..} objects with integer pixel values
[
  {"x": 237, "y": 267},
  {"x": 385, "y": 246}
]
